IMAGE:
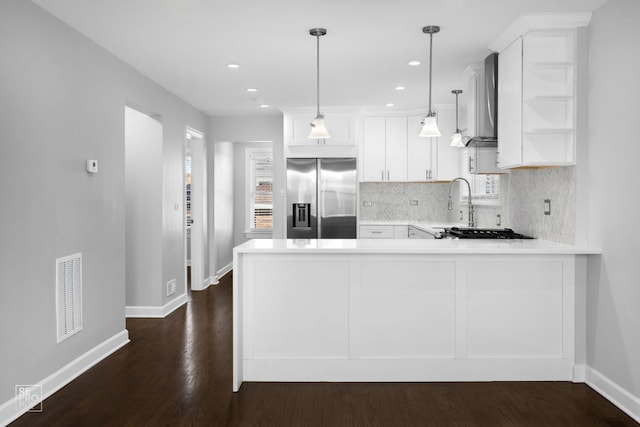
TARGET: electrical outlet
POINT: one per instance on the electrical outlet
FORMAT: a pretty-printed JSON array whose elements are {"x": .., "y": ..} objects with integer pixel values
[
  {"x": 547, "y": 207},
  {"x": 461, "y": 217},
  {"x": 171, "y": 287},
  {"x": 498, "y": 220},
  {"x": 413, "y": 202},
  {"x": 367, "y": 204}
]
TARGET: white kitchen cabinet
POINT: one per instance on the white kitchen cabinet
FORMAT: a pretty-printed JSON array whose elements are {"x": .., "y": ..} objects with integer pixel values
[
  {"x": 536, "y": 98},
  {"x": 384, "y": 231},
  {"x": 341, "y": 126},
  {"x": 432, "y": 159},
  {"x": 480, "y": 160},
  {"x": 384, "y": 155},
  {"x": 421, "y": 152},
  {"x": 448, "y": 160}
]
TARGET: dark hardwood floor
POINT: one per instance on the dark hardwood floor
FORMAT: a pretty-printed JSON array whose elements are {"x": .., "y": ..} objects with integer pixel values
[{"x": 177, "y": 372}]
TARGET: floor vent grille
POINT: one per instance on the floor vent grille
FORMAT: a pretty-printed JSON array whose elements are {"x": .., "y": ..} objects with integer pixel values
[{"x": 68, "y": 295}]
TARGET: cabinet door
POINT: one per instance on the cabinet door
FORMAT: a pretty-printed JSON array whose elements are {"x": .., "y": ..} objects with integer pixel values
[
  {"x": 448, "y": 164},
  {"x": 396, "y": 148},
  {"x": 373, "y": 149},
  {"x": 418, "y": 152},
  {"x": 510, "y": 102}
]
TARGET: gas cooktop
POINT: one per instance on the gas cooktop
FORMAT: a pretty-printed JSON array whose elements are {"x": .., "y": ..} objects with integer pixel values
[{"x": 482, "y": 233}]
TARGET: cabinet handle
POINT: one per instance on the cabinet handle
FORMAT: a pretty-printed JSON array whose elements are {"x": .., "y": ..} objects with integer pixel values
[
  {"x": 426, "y": 174},
  {"x": 381, "y": 175},
  {"x": 376, "y": 232},
  {"x": 387, "y": 174},
  {"x": 470, "y": 167}
]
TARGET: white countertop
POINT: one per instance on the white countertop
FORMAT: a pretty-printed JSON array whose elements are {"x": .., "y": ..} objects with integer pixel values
[{"x": 412, "y": 246}]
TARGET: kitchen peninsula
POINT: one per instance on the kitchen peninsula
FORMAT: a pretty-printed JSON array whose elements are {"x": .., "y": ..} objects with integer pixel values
[{"x": 408, "y": 310}]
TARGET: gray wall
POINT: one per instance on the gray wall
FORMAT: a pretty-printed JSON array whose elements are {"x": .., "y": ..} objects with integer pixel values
[
  {"x": 143, "y": 208},
  {"x": 613, "y": 322},
  {"x": 62, "y": 101}
]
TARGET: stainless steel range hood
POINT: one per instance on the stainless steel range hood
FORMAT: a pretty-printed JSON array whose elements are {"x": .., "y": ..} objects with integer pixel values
[{"x": 486, "y": 132}]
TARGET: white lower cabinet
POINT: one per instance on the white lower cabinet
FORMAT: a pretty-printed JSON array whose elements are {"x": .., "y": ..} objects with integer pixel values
[
  {"x": 400, "y": 316},
  {"x": 384, "y": 231}
]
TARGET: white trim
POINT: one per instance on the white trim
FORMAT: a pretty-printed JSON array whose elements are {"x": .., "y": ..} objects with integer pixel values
[
  {"x": 67, "y": 373},
  {"x": 223, "y": 271},
  {"x": 156, "y": 312},
  {"x": 579, "y": 373},
  {"x": 539, "y": 21},
  {"x": 614, "y": 393}
]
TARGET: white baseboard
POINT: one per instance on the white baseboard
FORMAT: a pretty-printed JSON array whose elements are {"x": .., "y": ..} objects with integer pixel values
[
  {"x": 156, "y": 312},
  {"x": 617, "y": 395},
  {"x": 579, "y": 373},
  {"x": 223, "y": 271},
  {"x": 9, "y": 410}
]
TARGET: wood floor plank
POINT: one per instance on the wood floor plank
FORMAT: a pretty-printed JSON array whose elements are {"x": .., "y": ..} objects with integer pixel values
[{"x": 177, "y": 372}]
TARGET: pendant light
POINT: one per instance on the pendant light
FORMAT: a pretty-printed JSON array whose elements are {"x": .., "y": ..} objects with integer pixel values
[
  {"x": 318, "y": 129},
  {"x": 456, "y": 138},
  {"x": 429, "y": 125}
]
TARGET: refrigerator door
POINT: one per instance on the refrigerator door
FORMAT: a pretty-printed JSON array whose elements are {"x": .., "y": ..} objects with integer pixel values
[
  {"x": 337, "y": 198},
  {"x": 302, "y": 221}
]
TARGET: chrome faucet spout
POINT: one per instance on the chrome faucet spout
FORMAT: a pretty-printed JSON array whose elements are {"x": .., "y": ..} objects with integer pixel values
[{"x": 470, "y": 205}]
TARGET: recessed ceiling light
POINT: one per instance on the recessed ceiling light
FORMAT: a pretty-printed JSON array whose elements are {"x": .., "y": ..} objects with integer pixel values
[
  {"x": 264, "y": 106},
  {"x": 399, "y": 88},
  {"x": 414, "y": 63},
  {"x": 233, "y": 66},
  {"x": 252, "y": 89},
  {"x": 390, "y": 105}
]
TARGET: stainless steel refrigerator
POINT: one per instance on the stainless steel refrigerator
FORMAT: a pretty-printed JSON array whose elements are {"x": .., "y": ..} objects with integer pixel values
[{"x": 321, "y": 198}]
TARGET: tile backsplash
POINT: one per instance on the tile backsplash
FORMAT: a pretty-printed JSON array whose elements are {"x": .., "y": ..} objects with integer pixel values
[
  {"x": 391, "y": 201},
  {"x": 522, "y": 195}
]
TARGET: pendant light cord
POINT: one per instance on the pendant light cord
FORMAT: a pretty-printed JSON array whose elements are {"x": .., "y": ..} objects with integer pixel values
[
  {"x": 457, "y": 130},
  {"x": 430, "y": 68},
  {"x": 318, "y": 74}
]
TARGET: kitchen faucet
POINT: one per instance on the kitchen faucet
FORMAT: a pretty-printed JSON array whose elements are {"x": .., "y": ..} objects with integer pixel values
[{"x": 450, "y": 204}]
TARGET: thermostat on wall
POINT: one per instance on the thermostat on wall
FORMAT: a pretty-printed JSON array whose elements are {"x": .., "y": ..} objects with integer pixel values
[{"x": 92, "y": 166}]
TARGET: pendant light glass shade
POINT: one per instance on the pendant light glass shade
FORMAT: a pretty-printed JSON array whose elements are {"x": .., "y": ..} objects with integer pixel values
[
  {"x": 429, "y": 124},
  {"x": 429, "y": 127},
  {"x": 456, "y": 138},
  {"x": 318, "y": 128}
]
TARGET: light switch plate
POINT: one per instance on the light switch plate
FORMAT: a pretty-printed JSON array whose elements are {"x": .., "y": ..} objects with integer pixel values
[
  {"x": 547, "y": 207},
  {"x": 413, "y": 202},
  {"x": 367, "y": 204},
  {"x": 92, "y": 166}
]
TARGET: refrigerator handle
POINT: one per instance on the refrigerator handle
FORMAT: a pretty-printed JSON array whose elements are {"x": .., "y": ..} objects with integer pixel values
[{"x": 320, "y": 198}]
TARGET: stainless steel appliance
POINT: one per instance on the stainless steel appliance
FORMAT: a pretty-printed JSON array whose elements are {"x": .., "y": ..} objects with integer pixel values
[
  {"x": 486, "y": 132},
  {"x": 321, "y": 198}
]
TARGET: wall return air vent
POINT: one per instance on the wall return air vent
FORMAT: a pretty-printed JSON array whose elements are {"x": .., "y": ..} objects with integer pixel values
[{"x": 68, "y": 296}]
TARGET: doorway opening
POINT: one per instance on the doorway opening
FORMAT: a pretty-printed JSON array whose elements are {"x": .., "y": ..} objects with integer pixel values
[{"x": 195, "y": 210}]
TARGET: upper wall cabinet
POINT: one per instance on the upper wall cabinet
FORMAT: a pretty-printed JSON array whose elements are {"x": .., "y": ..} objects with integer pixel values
[
  {"x": 384, "y": 149},
  {"x": 341, "y": 126},
  {"x": 537, "y": 88},
  {"x": 393, "y": 151}
]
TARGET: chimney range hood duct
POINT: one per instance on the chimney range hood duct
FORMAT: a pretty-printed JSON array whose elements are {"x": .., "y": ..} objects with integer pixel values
[{"x": 487, "y": 107}]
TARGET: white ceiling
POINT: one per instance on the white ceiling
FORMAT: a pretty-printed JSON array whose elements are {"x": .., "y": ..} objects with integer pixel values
[{"x": 185, "y": 45}]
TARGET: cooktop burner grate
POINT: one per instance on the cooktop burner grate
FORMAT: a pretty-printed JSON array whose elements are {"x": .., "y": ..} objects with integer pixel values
[{"x": 484, "y": 233}]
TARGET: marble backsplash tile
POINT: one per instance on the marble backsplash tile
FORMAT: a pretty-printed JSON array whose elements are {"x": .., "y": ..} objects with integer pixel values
[
  {"x": 391, "y": 201},
  {"x": 522, "y": 195}
]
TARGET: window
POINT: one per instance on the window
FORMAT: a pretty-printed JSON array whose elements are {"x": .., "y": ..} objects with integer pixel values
[
  {"x": 485, "y": 189},
  {"x": 259, "y": 190}
]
